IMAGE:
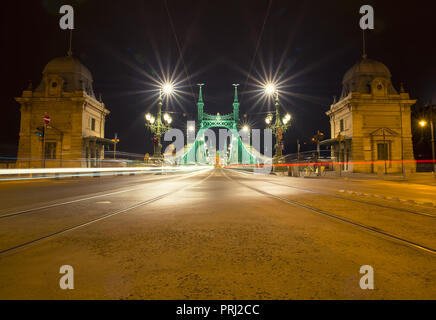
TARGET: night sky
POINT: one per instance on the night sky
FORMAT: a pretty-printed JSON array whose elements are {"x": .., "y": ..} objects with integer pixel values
[{"x": 311, "y": 42}]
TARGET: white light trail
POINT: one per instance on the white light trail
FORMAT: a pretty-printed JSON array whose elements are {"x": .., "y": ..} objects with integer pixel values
[{"x": 97, "y": 170}]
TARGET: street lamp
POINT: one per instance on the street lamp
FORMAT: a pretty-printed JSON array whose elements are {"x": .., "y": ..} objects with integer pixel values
[
  {"x": 280, "y": 125},
  {"x": 247, "y": 136},
  {"x": 423, "y": 123},
  {"x": 286, "y": 119},
  {"x": 156, "y": 124},
  {"x": 317, "y": 139},
  {"x": 270, "y": 89},
  {"x": 168, "y": 88}
]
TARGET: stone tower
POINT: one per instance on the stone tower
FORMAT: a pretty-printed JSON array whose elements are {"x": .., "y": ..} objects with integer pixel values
[
  {"x": 371, "y": 123},
  {"x": 75, "y": 136}
]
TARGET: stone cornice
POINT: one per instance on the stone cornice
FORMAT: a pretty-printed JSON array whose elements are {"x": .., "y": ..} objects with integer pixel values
[
  {"x": 354, "y": 100},
  {"x": 79, "y": 97}
]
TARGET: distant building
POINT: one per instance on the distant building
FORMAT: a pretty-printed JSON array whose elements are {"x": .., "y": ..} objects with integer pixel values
[
  {"x": 75, "y": 136},
  {"x": 371, "y": 123}
]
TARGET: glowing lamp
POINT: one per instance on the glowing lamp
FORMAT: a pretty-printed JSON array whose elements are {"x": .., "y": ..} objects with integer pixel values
[
  {"x": 167, "y": 88},
  {"x": 270, "y": 89}
]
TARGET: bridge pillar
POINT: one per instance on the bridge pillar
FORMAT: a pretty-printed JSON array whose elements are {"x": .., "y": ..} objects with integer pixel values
[
  {"x": 236, "y": 105},
  {"x": 200, "y": 104}
]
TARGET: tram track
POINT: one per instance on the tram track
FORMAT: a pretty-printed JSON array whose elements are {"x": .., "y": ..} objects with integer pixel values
[
  {"x": 353, "y": 200},
  {"x": 59, "y": 204},
  {"x": 374, "y": 230},
  {"x": 100, "y": 218}
]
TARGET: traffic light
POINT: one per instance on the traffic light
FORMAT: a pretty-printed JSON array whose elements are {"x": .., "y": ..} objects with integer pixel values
[
  {"x": 155, "y": 140},
  {"x": 40, "y": 132},
  {"x": 318, "y": 137}
]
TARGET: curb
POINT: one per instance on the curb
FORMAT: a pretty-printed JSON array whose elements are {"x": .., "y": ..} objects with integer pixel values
[{"x": 382, "y": 197}]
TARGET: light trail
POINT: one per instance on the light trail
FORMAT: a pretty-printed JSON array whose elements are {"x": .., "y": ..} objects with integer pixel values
[
  {"x": 82, "y": 172},
  {"x": 304, "y": 164},
  {"x": 173, "y": 179}
]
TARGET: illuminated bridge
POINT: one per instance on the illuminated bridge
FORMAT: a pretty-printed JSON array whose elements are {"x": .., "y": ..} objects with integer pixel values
[{"x": 234, "y": 149}]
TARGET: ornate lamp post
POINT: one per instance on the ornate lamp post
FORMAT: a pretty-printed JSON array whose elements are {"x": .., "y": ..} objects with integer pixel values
[
  {"x": 159, "y": 124},
  {"x": 279, "y": 125}
]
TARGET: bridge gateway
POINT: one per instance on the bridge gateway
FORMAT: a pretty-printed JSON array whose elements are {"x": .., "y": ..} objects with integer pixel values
[{"x": 237, "y": 151}]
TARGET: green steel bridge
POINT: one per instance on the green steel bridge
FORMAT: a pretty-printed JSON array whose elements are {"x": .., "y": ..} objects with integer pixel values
[{"x": 237, "y": 151}]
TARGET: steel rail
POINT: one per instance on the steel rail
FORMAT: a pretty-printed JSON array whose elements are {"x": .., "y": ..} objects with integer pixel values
[
  {"x": 348, "y": 199},
  {"x": 103, "y": 217},
  {"x": 54, "y": 205},
  {"x": 374, "y": 230}
]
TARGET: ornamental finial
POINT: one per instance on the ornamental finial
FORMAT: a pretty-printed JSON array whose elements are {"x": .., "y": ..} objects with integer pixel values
[
  {"x": 200, "y": 94},
  {"x": 236, "y": 85}
]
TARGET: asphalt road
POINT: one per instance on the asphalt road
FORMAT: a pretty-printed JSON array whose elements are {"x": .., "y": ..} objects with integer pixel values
[{"x": 215, "y": 234}]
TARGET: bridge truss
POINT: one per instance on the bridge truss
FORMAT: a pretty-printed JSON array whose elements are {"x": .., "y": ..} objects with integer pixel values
[{"x": 204, "y": 150}]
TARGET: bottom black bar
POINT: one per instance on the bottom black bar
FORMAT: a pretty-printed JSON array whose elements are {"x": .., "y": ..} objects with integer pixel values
[{"x": 211, "y": 310}]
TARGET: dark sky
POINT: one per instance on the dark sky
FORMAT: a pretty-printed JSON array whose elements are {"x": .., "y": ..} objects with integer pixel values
[{"x": 122, "y": 41}]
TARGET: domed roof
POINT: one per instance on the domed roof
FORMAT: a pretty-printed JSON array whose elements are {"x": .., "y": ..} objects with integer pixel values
[
  {"x": 75, "y": 75},
  {"x": 360, "y": 76},
  {"x": 67, "y": 64},
  {"x": 367, "y": 67}
]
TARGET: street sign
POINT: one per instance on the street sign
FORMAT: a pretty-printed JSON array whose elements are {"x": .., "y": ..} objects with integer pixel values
[{"x": 47, "y": 119}]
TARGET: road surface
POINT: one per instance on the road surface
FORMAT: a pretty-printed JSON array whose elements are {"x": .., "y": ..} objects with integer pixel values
[{"x": 215, "y": 234}]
